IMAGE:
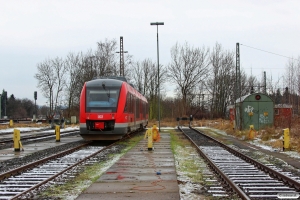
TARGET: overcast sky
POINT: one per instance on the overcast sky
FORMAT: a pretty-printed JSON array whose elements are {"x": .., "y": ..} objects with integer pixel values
[{"x": 32, "y": 31}]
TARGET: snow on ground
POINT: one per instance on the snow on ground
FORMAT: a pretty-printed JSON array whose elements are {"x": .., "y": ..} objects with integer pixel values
[{"x": 28, "y": 129}]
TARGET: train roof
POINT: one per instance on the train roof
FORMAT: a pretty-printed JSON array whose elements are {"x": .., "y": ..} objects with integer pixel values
[
  {"x": 110, "y": 80},
  {"x": 121, "y": 78},
  {"x": 104, "y": 81}
]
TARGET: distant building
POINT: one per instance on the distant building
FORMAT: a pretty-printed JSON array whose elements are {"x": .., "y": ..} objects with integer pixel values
[
  {"x": 259, "y": 110},
  {"x": 283, "y": 115},
  {"x": 253, "y": 109}
]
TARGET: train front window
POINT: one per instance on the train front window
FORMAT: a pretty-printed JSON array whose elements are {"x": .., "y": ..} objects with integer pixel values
[{"x": 100, "y": 100}]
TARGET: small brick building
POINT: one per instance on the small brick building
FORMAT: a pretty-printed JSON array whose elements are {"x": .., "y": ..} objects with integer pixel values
[{"x": 283, "y": 115}]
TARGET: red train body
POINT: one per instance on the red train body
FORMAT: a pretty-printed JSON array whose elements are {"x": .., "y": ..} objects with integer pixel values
[{"x": 111, "y": 108}]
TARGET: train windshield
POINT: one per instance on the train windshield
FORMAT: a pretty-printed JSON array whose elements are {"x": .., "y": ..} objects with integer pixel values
[{"x": 102, "y": 99}]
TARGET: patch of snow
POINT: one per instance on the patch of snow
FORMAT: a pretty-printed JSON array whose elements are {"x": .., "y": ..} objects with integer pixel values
[
  {"x": 27, "y": 129},
  {"x": 257, "y": 142}
]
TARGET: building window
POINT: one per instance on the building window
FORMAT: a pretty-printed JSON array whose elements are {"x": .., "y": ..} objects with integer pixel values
[{"x": 276, "y": 111}]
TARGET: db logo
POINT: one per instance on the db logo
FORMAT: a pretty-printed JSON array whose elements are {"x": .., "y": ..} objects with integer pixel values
[{"x": 100, "y": 116}]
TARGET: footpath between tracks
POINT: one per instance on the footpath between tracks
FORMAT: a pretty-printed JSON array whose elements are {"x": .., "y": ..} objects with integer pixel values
[{"x": 139, "y": 174}]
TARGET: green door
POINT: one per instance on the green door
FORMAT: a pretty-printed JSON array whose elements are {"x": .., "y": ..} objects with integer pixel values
[
  {"x": 250, "y": 114},
  {"x": 265, "y": 117},
  {"x": 258, "y": 112}
]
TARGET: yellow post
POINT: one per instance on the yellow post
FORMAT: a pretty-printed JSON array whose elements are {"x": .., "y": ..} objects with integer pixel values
[
  {"x": 233, "y": 124},
  {"x": 148, "y": 134},
  {"x": 251, "y": 132},
  {"x": 11, "y": 123},
  {"x": 57, "y": 133},
  {"x": 17, "y": 139},
  {"x": 286, "y": 139},
  {"x": 155, "y": 133}
]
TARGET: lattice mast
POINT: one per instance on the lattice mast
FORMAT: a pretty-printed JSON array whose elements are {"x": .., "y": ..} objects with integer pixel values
[{"x": 121, "y": 52}]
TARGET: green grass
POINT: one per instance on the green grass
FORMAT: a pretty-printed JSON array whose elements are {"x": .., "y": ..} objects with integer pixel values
[{"x": 183, "y": 153}]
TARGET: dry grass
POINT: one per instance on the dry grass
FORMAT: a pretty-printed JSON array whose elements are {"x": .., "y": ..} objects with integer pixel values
[{"x": 270, "y": 136}]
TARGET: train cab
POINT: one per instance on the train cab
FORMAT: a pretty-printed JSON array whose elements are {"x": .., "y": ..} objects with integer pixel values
[{"x": 103, "y": 109}]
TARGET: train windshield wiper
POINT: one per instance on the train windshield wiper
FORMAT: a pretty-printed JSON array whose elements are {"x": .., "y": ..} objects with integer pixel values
[{"x": 107, "y": 91}]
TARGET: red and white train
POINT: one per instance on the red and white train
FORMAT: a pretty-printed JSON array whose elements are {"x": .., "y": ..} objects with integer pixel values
[{"x": 111, "y": 108}]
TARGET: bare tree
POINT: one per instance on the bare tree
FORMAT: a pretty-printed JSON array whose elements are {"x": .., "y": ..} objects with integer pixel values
[
  {"x": 139, "y": 77},
  {"x": 146, "y": 80},
  {"x": 221, "y": 82},
  {"x": 73, "y": 82},
  {"x": 46, "y": 80},
  {"x": 51, "y": 80},
  {"x": 291, "y": 80},
  {"x": 105, "y": 60},
  {"x": 189, "y": 67},
  {"x": 60, "y": 74}
]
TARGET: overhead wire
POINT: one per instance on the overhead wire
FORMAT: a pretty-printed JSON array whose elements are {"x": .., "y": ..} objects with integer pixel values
[{"x": 269, "y": 52}]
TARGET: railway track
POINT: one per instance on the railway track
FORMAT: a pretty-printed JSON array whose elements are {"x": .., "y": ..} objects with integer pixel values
[
  {"x": 25, "y": 181},
  {"x": 241, "y": 175},
  {"x": 30, "y": 137}
]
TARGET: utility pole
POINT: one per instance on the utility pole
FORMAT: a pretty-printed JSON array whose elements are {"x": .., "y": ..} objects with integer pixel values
[
  {"x": 35, "y": 98},
  {"x": 238, "y": 72},
  {"x": 5, "y": 98},
  {"x": 121, "y": 52},
  {"x": 0, "y": 105},
  {"x": 238, "y": 86},
  {"x": 265, "y": 83}
]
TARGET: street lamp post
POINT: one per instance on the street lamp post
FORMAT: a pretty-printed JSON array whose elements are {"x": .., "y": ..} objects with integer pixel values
[{"x": 157, "y": 24}]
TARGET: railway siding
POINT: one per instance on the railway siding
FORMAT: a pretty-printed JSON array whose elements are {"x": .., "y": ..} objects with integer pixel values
[{"x": 243, "y": 175}]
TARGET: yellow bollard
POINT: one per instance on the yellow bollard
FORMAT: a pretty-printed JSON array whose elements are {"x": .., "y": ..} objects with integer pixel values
[
  {"x": 17, "y": 140},
  {"x": 155, "y": 133},
  {"x": 251, "y": 132},
  {"x": 11, "y": 123},
  {"x": 286, "y": 139},
  {"x": 57, "y": 133},
  {"x": 148, "y": 134}
]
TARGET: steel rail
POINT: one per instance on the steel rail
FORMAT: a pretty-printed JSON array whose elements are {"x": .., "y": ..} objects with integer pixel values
[
  {"x": 232, "y": 185},
  {"x": 291, "y": 182},
  {"x": 33, "y": 164},
  {"x": 38, "y": 136},
  {"x": 60, "y": 173}
]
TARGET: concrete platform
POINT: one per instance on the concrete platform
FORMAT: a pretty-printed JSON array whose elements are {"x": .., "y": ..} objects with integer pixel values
[
  {"x": 6, "y": 154},
  {"x": 139, "y": 174}
]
